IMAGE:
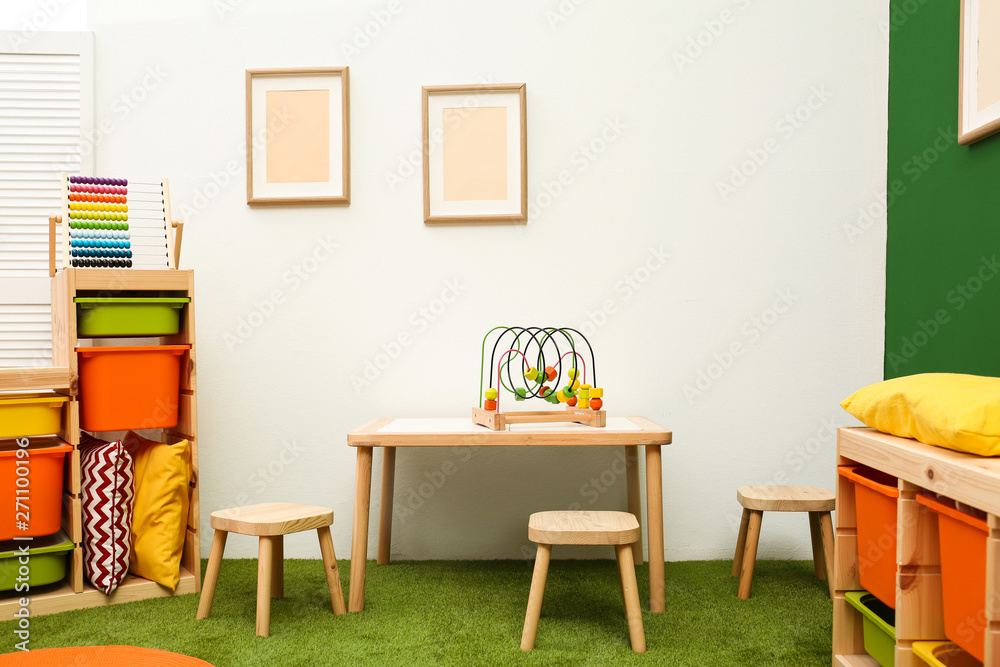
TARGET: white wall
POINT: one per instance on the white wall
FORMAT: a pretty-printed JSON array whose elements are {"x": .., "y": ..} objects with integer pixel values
[
  {"x": 171, "y": 88},
  {"x": 29, "y": 17}
]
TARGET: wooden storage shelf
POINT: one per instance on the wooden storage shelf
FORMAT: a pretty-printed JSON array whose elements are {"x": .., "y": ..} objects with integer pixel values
[
  {"x": 63, "y": 377},
  {"x": 970, "y": 479},
  {"x": 61, "y": 597},
  {"x": 863, "y": 660}
]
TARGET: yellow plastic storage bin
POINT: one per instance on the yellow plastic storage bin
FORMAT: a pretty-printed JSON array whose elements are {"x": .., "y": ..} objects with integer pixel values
[
  {"x": 943, "y": 654},
  {"x": 25, "y": 415}
]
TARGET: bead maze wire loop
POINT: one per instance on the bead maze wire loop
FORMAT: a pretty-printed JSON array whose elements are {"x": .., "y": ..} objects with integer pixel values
[{"x": 545, "y": 373}]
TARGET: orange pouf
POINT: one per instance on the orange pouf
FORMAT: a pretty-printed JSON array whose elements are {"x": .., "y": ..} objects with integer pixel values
[{"x": 101, "y": 656}]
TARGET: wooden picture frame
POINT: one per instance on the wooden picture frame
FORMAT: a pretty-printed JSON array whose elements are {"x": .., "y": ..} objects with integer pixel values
[
  {"x": 298, "y": 136},
  {"x": 475, "y": 145},
  {"x": 979, "y": 71}
]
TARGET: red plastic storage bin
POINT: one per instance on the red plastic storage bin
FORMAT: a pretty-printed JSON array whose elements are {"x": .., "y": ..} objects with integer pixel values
[
  {"x": 963, "y": 574},
  {"x": 875, "y": 497},
  {"x": 123, "y": 388},
  {"x": 41, "y": 493}
]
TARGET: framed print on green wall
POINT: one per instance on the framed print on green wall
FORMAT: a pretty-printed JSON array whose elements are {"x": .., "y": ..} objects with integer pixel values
[{"x": 979, "y": 75}]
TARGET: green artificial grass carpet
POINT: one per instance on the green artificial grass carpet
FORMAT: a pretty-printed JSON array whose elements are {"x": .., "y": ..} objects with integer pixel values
[{"x": 472, "y": 613}]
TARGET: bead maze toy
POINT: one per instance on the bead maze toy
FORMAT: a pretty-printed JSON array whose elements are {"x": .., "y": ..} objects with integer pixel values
[
  {"x": 115, "y": 223},
  {"x": 543, "y": 369}
]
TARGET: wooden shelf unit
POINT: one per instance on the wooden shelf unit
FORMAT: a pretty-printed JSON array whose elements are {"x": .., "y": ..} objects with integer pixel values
[
  {"x": 970, "y": 479},
  {"x": 63, "y": 377}
]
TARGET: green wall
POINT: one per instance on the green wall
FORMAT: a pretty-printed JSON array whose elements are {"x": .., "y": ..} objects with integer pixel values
[{"x": 943, "y": 255}]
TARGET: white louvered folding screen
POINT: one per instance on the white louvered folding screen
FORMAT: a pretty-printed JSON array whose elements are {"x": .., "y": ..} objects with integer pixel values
[{"x": 46, "y": 126}]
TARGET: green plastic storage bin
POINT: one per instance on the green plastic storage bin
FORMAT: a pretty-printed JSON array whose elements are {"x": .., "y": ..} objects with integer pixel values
[
  {"x": 129, "y": 316},
  {"x": 879, "y": 626},
  {"x": 46, "y": 560}
]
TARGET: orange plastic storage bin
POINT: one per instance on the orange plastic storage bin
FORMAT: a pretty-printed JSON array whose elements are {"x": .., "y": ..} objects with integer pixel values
[
  {"x": 876, "y": 495},
  {"x": 124, "y": 388},
  {"x": 41, "y": 468},
  {"x": 963, "y": 574}
]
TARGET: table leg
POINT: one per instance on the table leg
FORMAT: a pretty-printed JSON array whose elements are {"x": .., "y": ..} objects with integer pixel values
[
  {"x": 359, "y": 538},
  {"x": 634, "y": 496},
  {"x": 654, "y": 514},
  {"x": 385, "y": 511}
]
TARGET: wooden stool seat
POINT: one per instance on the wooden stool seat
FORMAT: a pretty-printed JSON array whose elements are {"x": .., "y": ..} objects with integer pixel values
[
  {"x": 596, "y": 528},
  {"x": 271, "y": 519},
  {"x": 618, "y": 529},
  {"x": 786, "y": 498},
  {"x": 759, "y": 499},
  {"x": 269, "y": 522}
]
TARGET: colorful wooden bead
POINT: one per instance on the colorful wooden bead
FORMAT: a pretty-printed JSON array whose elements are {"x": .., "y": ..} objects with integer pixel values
[
  {"x": 561, "y": 396},
  {"x": 596, "y": 392},
  {"x": 584, "y": 401},
  {"x": 575, "y": 385},
  {"x": 596, "y": 403},
  {"x": 520, "y": 394},
  {"x": 550, "y": 373},
  {"x": 491, "y": 393},
  {"x": 572, "y": 373},
  {"x": 569, "y": 392},
  {"x": 544, "y": 393},
  {"x": 571, "y": 402},
  {"x": 490, "y": 405},
  {"x": 584, "y": 392},
  {"x": 531, "y": 374}
]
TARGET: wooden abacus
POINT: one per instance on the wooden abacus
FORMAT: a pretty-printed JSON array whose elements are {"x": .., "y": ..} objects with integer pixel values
[
  {"x": 115, "y": 223},
  {"x": 583, "y": 401}
]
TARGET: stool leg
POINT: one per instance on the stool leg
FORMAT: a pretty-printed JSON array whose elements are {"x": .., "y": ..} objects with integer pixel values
[
  {"x": 626, "y": 572},
  {"x": 819, "y": 559},
  {"x": 212, "y": 574},
  {"x": 278, "y": 568},
  {"x": 826, "y": 529},
  {"x": 750, "y": 554},
  {"x": 535, "y": 597},
  {"x": 741, "y": 542},
  {"x": 332, "y": 573},
  {"x": 264, "y": 573}
]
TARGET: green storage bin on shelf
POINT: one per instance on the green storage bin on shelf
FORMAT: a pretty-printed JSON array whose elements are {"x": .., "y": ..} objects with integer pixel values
[
  {"x": 129, "y": 316},
  {"x": 46, "y": 560},
  {"x": 879, "y": 626}
]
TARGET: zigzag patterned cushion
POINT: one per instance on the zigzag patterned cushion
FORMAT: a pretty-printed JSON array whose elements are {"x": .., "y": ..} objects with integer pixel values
[{"x": 108, "y": 491}]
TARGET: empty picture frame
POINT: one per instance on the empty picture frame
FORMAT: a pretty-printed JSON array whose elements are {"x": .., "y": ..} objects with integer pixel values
[
  {"x": 298, "y": 136},
  {"x": 979, "y": 75},
  {"x": 475, "y": 153}
]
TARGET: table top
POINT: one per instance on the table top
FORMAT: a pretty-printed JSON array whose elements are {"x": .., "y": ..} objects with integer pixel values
[{"x": 452, "y": 431}]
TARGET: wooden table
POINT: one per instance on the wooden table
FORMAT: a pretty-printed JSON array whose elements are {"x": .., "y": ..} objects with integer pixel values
[{"x": 627, "y": 432}]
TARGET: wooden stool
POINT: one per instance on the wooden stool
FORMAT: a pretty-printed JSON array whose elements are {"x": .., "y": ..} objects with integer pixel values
[
  {"x": 759, "y": 499},
  {"x": 270, "y": 521},
  {"x": 619, "y": 529}
]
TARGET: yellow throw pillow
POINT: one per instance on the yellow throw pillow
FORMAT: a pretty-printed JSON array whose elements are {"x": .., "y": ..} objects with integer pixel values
[
  {"x": 159, "y": 518},
  {"x": 960, "y": 412}
]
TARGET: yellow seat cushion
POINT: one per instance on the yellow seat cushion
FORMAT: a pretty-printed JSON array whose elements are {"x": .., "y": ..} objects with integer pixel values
[
  {"x": 159, "y": 517},
  {"x": 960, "y": 412}
]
